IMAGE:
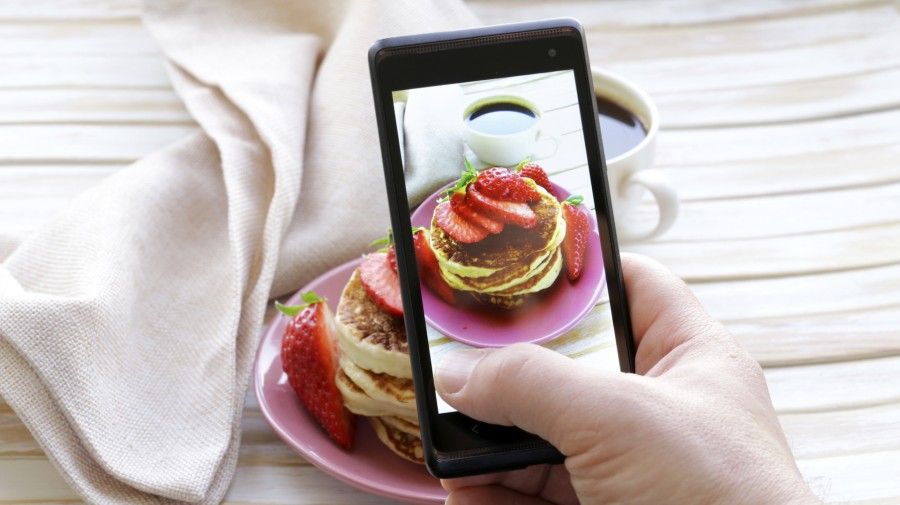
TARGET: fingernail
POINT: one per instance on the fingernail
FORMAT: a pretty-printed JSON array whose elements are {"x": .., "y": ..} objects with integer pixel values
[{"x": 455, "y": 369}]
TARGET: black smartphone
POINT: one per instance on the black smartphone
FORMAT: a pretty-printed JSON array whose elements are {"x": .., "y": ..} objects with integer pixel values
[{"x": 501, "y": 216}]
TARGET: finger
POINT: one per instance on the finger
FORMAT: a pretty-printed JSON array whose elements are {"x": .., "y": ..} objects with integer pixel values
[
  {"x": 550, "y": 482},
  {"x": 558, "y": 488},
  {"x": 664, "y": 311},
  {"x": 536, "y": 389},
  {"x": 495, "y": 495},
  {"x": 526, "y": 480}
]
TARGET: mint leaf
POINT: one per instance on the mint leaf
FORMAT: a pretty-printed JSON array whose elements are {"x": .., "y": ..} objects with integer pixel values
[
  {"x": 309, "y": 298},
  {"x": 575, "y": 199}
]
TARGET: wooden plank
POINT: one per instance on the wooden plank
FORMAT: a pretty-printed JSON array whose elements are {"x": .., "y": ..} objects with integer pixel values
[
  {"x": 834, "y": 386},
  {"x": 721, "y": 260},
  {"x": 652, "y": 13},
  {"x": 736, "y": 70},
  {"x": 843, "y": 432},
  {"x": 88, "y": 38},
  {"x": 32, "y": 195},
  {"x": 868, "y": 478},
  {"x": 85, "y": 106},
  {"x": 826, "y": 169},
  {"x": 783, "y": 102},
  {"x": 770, "y": 33},
  {"x": 854, "y": 290},
  {"x": 69, "y": 10},
  {"x": 104, "y": 71},
  {"x": 777, "y": 216},
  {"x": 821, "y": 338},
  {"x": 723, "y": 146},
  {"x": 16, "y": 443},
  {"x": 37, "y": 480},
  {"x": 293, "y": 485},
  {"x": 48, "y": 144}
]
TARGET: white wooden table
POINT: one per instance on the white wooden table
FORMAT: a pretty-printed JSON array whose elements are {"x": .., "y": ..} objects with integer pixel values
[{"x": 781, "y": 129}]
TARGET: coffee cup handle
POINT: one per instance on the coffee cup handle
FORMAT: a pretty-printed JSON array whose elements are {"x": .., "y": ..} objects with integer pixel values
[
  {"x": 540, "y": 138},
  {"x": 658, "y": 184}
]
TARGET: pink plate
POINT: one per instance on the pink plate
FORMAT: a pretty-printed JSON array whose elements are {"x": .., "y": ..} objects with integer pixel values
[
  {"x": 370, "y": 466},
  {"x": 550, "y": 313}
]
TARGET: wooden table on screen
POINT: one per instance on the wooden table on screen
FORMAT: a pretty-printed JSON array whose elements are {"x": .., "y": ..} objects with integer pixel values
[{"x": 781, "y": 130}]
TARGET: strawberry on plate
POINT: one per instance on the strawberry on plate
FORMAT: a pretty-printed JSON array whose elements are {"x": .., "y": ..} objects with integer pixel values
[
  {"x": 386, "y": 245},
  {"x": 392, "y": 258},
  {"x": 429, "y": 270},
  {"x": 509, "y": 212},
  {"x": 574, "y": 245},
  {"x": 309, "y": 358},
  {"x": 459, "y": 205},
  {"x": 459, "y": 228},
  {"x": 381, "y": 282},
  {"x": 534, "y": 172},
  {"x": 501, "y": 184}
]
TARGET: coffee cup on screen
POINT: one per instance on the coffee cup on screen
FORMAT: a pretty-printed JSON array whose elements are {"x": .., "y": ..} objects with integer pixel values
[
  {"x": 629, "y": 124},
  {"x": 505, "y": 129}
]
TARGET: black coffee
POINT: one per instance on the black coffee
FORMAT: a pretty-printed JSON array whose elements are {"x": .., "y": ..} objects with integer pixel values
[
  {"x": 620, "y": 129},
  {"x": 502, "y": 118}
]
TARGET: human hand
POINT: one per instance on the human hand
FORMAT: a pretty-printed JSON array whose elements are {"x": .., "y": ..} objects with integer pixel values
[{"x": 696, "y": 426}]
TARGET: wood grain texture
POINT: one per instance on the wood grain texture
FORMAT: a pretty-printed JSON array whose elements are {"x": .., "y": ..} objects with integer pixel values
[{"x": 781, "y": 131}]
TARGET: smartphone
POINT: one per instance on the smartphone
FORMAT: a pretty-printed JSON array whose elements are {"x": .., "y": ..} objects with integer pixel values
[{"x": 501, "y": 216}]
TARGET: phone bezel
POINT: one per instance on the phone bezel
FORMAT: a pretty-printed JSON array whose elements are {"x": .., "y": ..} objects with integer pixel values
[{"x": 454, "y": 444}]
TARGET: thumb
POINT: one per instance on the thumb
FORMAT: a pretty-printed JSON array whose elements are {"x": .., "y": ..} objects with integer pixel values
[{"x": 534, "y": 388}]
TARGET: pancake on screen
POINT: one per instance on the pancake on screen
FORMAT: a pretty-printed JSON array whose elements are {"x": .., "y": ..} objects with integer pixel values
[{"x": 500, "y": 235}]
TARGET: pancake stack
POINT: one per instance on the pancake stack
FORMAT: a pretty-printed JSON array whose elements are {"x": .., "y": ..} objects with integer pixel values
[
  {"x": 375, "y": 378},
  {"x": 505, "y": 267}
]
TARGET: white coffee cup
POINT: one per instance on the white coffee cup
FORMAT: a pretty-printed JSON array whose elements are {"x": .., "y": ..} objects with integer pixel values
[
  {"x": 630, "y": 174},
  {"x": 507, "y": 149}
]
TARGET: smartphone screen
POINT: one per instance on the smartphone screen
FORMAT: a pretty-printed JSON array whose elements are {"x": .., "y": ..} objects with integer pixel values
[{"x": 499, "y": 188}]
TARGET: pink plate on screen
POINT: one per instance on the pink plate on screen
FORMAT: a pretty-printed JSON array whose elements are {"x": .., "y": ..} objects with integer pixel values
[
  {"x": 546, "y": 315},
  {"x": 370, "y": 465}
]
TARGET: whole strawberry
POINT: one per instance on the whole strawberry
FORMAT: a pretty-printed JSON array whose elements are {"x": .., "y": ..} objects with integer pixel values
[
  {"x": 574, "y": 246},
  {"x": 534, "y": 172},
  {"x": 501, "y": 184},
  {"x": 309, "y": 358}
]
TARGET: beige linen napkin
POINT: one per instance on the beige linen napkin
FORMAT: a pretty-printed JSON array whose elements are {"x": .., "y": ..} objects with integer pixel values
[
  {"x": 129, "y": 323},
  {"x": 433, "y": 146}
]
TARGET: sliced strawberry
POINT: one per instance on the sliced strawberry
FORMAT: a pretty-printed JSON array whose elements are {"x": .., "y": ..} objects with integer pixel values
[
  {"x": 429, "y": 270},
  {"x": 508, "y": 212},
  {"x": 459, "y": 205},
  {"x": 309, "y": 357},
  {"x": 501, "y": 184},
  {"x": 574, "y": 245},
  {"x": 537, "y": 174},
  {"x": 381, "y": 283},
  {"x": 459, "y": 229}
]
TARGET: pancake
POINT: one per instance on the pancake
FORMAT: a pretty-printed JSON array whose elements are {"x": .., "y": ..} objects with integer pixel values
[
  {"x": 368, "y": 336},
  {"x": 514, "y": 245},
  {"x": 357, "y": 401},
  {"x": 401, "y": 424},
  {"x": 542, "y": 280},
  {"x": 405, "y": 445},
  {"x": 512, "y": 276},
  {"x": 381, "y": 387},
  {"x": 515, "y": 297}
]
